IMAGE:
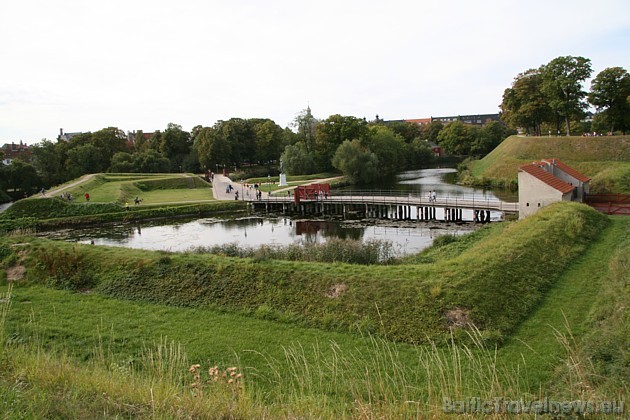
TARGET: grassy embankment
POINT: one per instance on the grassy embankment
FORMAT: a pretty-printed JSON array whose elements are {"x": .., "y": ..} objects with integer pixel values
[
  {"x": 605, "y": 159},
  {"x": 293, "y": 371},
  {"x": 163, "y": 195},
  {"x": 425, "y": 300}
]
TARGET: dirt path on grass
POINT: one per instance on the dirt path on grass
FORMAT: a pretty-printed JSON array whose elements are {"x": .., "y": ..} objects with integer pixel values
[{"x": 59, "y": 189}]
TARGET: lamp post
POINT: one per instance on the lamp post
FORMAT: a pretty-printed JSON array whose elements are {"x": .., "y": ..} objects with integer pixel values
[{"x": 269, "y": 182}]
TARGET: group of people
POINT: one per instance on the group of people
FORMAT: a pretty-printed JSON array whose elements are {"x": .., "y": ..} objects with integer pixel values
[
  {"x": 66, "y": 196},
  {"x": 432, "y": 196}
]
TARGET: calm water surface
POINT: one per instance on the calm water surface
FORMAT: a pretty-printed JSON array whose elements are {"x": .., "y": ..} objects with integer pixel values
[{"x": 253, "y": 231}]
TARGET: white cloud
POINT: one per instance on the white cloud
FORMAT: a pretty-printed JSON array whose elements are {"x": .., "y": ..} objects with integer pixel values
[{"x": 140, "y": 64}]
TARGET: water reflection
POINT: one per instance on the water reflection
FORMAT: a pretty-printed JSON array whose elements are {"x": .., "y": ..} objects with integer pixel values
[
  {"x": 441, "y": 180},
  {"x": 182, "y": 235}
]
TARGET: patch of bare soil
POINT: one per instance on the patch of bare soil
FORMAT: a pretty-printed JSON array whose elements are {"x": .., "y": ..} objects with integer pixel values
[
  {"x": 336, "y": 290},
  {"x": 16, "y": 273},
  {"x": 458, "y": 318}
]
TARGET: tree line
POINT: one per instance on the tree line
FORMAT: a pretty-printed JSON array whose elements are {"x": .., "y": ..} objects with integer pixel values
[{"x": 552, "y": 99}]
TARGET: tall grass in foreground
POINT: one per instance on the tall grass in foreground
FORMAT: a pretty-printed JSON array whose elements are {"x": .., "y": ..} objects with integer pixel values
[
  {"x": 5, "y": 304},
  {"x": 333, "y": 250},
  {"x": 306, "y": 382},
  {"x": 379, "y": 384}
]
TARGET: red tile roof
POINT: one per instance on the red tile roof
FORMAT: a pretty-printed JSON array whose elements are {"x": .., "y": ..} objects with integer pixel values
[
  {"x": 536, "y": 171},
  {"x": 420, "y": 121},
  {"x": 567, "y": 169}
]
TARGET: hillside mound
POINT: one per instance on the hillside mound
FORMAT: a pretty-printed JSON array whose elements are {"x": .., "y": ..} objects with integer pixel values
[
  {"x": 605, "y": 159},
  {"x": 491, "y": 286}
]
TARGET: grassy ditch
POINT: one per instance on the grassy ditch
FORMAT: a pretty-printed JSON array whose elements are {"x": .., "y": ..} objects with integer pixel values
[
  {"x": 493, "y": 285},
  {"x": 83, "y": 355}
]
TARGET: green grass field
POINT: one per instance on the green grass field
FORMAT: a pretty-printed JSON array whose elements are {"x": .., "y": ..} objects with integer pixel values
[
  {"x": 605, "y": 159},
  {"x": 87, "y": 345},
  {"x": 152, "y": 189}
]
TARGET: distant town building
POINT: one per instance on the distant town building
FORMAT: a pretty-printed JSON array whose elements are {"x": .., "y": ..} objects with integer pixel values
[
  {"x": 419, "y": 121},
  {"x": 66, "y": 136},
  {"x": 546, "y": 182},
  {"x": 477, "y": 119},
  {"x": 13, "y": 151}
]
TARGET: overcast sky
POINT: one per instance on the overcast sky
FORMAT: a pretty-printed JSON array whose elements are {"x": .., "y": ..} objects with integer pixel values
[{"x": 139, "y": 64}]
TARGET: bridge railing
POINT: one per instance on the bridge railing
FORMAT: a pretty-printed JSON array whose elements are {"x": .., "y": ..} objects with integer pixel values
[
  {"x": 474, "y": 201},
  {"x": 445, "y": 200}
]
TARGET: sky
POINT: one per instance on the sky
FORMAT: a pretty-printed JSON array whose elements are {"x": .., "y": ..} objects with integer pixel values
[{"x": 141, "y": 64}]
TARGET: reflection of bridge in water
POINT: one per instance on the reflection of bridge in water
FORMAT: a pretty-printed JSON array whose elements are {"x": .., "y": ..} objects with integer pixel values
[{"x": 389, "y": 205}]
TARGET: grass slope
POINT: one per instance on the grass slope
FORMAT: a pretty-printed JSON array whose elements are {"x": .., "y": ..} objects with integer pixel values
[
  {"x": 295, "y": 372},
  {"x": 605, "y": 159},
  {"x": 494, "y": 284}
]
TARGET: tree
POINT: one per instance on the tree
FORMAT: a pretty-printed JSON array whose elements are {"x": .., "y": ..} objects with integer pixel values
[
  {"x": 48, "y": 159},
  {"x": 456, "y": 138},
  {"x": 85, "y": 159},
  {"x": 20, "y": 176},
  {"x": 420, "y": 154},
  {"x": 306, "y": 126},
  {"x": 562, "y": 84},
  {"x": 175, "y": 144},
  {"x": 335, "y": 130},
  {"x": 610, "y": 91},
  {"x": 524, "y": 104},
  {"x": 298, "y": 160},
  {"x": 431, "y": 131},
  {"x": 407, "y": 130},
  {"x": 390, "y": 148},
  {"x": 356, "y": 162},
  {"x": 213, "y": 147},
  {"x": 269, "y": 141}
]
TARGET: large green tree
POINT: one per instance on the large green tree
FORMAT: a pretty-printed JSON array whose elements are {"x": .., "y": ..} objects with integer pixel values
[
  {"x": 335, "y": 130},
  {"x": 457, "y": 138},
  {"x": 610, "y": 91},
  {"x": 431, "y": 131},
  {"x": 213, "y": 148},
  {"x": 269, "y": 141},
  {"x": 19, "y": 177},
  {"x": 297, "y": 160},
  {"x": 390, "y": 148},
  {"x": 175, "y": 144},
  {"x": 356, "y": 161},
  {"x": 524, "y": 104},
  {"x": 563, "y": 80},
  {"x": 306, "y": 126}
]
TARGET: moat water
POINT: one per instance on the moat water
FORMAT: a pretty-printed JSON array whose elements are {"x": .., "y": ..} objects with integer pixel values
[{"x": 252, "y": 230}]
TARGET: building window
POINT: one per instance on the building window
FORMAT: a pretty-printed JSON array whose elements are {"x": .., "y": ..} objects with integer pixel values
[{"x": 527, "y": 205}]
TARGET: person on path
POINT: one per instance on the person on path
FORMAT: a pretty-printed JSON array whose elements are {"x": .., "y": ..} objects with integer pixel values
[{"x": 87, "y": 196}]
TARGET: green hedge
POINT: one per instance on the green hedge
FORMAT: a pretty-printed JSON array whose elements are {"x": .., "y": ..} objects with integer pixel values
[{"x": 494, "y": 284}]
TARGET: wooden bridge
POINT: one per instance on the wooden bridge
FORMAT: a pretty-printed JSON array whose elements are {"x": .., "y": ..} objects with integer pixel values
[{"x": 388, "y": 205}]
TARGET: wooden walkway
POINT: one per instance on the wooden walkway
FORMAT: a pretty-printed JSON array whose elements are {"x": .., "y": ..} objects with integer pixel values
[{"x": 470, "y": 203}]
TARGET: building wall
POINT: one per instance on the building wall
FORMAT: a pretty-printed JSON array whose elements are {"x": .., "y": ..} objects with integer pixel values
[
  {"x": 582, "y": 187},
  {"x": 533, "y": 194}
]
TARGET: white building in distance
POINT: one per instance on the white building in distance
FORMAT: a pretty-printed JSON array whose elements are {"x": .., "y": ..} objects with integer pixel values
[{"x": 546, "y": 182}]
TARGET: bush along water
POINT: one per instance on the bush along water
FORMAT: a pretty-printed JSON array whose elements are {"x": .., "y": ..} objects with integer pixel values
[
  {"x": 334, "y": 250},
  {"x": 492, "y": 286}
]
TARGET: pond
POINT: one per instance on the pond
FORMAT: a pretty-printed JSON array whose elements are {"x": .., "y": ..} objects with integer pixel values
[{"x": 254, "y": 230}]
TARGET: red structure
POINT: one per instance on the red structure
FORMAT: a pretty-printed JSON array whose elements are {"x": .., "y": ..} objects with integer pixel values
[
  {"x": 311, "y": 192},
  {"x": 610, "y": 203}
]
